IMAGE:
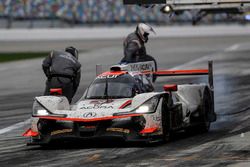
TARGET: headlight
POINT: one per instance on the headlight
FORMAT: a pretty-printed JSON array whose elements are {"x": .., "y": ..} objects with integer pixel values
[
  {"x": 42, "y": 112},
  {"x": 148, "y": 107},
  {"x": 142, "y": 109},
  {"x": 38, "y": 110}
]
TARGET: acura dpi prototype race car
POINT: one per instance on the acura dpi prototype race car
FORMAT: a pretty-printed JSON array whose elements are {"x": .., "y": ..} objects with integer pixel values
[{"x": 121, "y": 103}]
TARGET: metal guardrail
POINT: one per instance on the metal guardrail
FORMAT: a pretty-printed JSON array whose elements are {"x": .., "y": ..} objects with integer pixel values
[
  {"x": 175, "y": 2},
  {"x": 208, "y": 4},
  {"x": 182, "y": 5}
]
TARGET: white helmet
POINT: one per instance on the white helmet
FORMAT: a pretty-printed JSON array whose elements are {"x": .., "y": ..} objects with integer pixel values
[{"x": 143, "y": 30}]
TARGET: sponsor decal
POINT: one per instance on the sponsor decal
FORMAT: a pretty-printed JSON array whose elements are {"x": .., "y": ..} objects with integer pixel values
[
  {"x": 88, "y": 127},
  {"x": 112, "y": 76},
  {"x": 89, "y": 114},
  {"x": 142, "y": 67},
  {"x": 118, "y": 130},
  {"x": 61, "y": 131},
  {"x": 97, "y": 106}
]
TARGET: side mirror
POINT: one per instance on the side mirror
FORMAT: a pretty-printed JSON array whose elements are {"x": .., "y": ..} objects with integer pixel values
[{"x": 170, "y": 88}]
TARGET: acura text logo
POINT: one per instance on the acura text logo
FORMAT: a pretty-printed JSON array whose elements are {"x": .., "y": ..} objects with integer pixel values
[{"x": 89, "y": 114}]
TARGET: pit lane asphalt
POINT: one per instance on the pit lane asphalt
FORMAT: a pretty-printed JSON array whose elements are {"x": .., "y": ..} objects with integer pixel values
[{"x": 227, "y": 143}]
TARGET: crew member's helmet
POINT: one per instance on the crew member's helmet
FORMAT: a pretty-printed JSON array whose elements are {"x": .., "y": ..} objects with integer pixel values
[
  {"x": 72, "y": 50},
  {"x": 143, "y": 30}
]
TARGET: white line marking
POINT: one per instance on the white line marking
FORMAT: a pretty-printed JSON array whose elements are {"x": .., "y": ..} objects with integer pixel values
[
  {"x": 204, "y": 58},
  {"x": 15, "y": 126},
  {"x": 232, "y": 48}
]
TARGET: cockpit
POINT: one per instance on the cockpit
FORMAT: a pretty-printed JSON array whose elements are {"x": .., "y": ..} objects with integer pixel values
[{"x": 114, "y": 85}]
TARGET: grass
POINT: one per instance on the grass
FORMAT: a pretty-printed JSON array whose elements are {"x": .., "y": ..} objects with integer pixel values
[{"x": 7, "y": 57}]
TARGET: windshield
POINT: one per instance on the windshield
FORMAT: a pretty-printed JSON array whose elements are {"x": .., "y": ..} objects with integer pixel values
[{"x": 120, "y": 87}]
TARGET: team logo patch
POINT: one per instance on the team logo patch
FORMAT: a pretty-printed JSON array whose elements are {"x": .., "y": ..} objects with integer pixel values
[
  {"x": 97, "y": 105},
  {"x": 89, "y": 115}
]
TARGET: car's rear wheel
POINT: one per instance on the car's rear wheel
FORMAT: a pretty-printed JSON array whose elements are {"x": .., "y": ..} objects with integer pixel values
[
  {"x": 201, "y": 124},
  {"x": 165, "y": 119},
  {"x": 206, "y": 109}
]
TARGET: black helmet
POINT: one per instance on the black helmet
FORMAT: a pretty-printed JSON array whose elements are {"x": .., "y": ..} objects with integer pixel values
[
  {"x": 72, "y": 51},
  {"x": 143, "y": 30}
]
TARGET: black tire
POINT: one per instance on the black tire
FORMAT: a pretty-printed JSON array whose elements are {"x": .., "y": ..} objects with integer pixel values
[
  {"x": 206, "y": 109},
  {"x": 166, "y": 120},
  {"x": 45, "y": 128},
  {"x": 202, "y": 123}
]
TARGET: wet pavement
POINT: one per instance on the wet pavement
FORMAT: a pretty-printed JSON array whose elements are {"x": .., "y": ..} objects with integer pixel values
[{"x": 226, "y": 144}]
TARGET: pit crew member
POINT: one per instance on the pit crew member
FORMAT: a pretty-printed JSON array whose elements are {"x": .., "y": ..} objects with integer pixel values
[
  {"x": 63, "y": 70},
  {"x": 134, "y": 44}
]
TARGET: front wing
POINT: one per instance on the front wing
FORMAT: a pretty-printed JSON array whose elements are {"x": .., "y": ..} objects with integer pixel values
[{"x": 131, "y": 127}]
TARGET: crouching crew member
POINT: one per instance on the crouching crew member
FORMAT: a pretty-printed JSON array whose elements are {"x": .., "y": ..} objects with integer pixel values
[{"x": 63, "y": 70}]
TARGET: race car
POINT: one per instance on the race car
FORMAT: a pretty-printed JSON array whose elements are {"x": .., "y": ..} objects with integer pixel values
[{"x": 121, "y": 103}]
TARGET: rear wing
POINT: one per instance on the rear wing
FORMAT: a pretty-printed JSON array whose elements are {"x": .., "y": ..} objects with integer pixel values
[
  {"x": 208, "y": 72},
  {"x": 149, "y": 68}
]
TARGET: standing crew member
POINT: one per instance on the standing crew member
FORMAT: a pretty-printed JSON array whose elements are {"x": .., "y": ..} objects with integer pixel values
[
  {"x": 134, "y": 48},
  {"x": 63, "y": 71}
]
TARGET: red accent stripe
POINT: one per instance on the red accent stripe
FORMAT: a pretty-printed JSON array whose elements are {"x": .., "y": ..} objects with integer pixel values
[
  {"x": 125, "y": 104},
  {"x": 89, "y": 120},
  {"x": 30, "y": 133},
  {"x": 182, "y": 72},
  {"x": 113, "y": 73},
  {"x": 148, "y": 130}
]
